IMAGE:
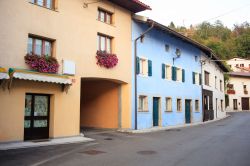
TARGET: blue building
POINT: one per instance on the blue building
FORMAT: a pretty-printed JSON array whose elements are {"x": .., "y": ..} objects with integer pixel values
[{"x": 168, "y": 76}]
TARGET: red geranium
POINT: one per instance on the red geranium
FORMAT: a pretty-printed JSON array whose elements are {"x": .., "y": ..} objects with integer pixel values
[
  {"x": 44, "y": 64},
  {"x": 105, "y": 59}
]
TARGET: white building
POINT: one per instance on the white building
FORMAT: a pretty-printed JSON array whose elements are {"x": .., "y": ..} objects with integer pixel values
[
  {"x": 213, "y": 88},
  {"x": 238, "y": 86},
  {"x": 239, "y": 65}
]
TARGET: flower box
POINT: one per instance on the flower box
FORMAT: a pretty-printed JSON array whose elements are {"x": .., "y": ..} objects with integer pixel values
[
  {"x": 43, "y": 64},
  {"x": 106, "y": 60},
  {"x": 230, "y": 91}
]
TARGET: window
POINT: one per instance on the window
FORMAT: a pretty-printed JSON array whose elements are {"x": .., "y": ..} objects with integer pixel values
[
  {"x": 237, "y": 65},
  {"x": 235, "y": 104},
  {"x": 196, "y": 79},
  {"x": 179, "y": 74},
  {"x": 104, "y": 43},
  {"x": 45, "y": 3},
  {"x": 179, "y": 106},
  {"x": 230, "y": 86},
  {"x": 215, "y": 82},
  {"x": 143, "y": 103},
  {"x": 241, "y": 65},
  {"x": 207, "y": 78},
  {"x": 196, "y": 58},
  {"x": 143, "y": 66},
  {"x": 221, "y": 86},
  {"x": 167, "y": 48},
  {"x": 39, "y": 46},
  {"x": 245, "y": 87},
  {"x": 169, "y": 104},
  {"x": 104, "y": 16},
  {"x": 221, "y": 105},
  {"x": 197, "y": 106},
  {"x": 166, "y": 72}
]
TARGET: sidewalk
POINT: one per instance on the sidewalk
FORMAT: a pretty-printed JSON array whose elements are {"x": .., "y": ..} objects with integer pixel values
[
  {"x": 154, "y": 129},
  {"x": 56, "y": 141}
]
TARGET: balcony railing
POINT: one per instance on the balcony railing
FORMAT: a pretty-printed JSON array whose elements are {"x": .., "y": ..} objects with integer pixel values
[{"x": 230, "y": 91}]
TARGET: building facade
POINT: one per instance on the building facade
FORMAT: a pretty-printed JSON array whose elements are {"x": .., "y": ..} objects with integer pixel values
[
  {"x": 167, "y": 74},
  {"x": 213, "y": 88},
  {"x": 238, "y": 85},
  {"x": 45, "y": 105}
]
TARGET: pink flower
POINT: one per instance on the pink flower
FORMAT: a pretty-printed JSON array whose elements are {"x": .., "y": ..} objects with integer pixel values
[{"x": 105, "y": 59}]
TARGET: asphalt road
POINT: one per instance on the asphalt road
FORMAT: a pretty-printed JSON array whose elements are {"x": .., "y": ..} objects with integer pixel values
[{"x": 222, "y": 143}]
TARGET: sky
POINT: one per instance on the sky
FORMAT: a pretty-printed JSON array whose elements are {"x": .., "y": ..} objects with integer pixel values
[{"x": 187, "y": 12}]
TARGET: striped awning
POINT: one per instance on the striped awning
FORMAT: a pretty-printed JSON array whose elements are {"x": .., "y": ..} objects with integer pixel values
[
  {"x": 40, "y": 77},
  {"x": 3, "y": 74}
]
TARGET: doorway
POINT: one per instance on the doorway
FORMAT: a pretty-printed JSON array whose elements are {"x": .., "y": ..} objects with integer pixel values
[
  {"x": 245, "y": 103},
  {"x": 36, "y": 116},
  {"x": 156, "y": 102},
  {"x": 188, "y": 111}
]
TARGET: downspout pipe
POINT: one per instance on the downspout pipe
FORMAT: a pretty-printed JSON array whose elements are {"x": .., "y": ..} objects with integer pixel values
[{"x": 135, "y": 63}]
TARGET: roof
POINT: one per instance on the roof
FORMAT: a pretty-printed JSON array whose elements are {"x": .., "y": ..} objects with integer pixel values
[
  {"x": 209, "y": 52},
  {"x": 240, "y": 74},
  {"x": 132, "y": 5}
]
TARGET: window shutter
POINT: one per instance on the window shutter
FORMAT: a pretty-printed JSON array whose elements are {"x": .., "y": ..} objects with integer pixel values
[
  {"x": 183, "y": 75},
  {"x": 137, "y": 65},
  {"x": 173, "y": 73},
  {"x": 193, "y": 77},
  {"x": 149, "y": 68},
  {"x": 55, "y": 4},
  {"x": 163, "y": 67},
  {"x": 200, "y": 81}
]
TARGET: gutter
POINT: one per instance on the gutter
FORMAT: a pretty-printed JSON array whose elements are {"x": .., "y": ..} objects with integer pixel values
[{"x": 135, "y": 63}]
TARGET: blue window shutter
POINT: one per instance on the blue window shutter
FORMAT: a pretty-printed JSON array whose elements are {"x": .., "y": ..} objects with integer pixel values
[
  {"x": 149, "y": 68},
  {"x": 163, "y": 67},
  {"x": 193, "y": 77},
  {"x": 137, "y": 65},
  {"x": 183, "y": 75},
  {"x": 200, "y": 79},
  {"x": 173, "y": 73}
]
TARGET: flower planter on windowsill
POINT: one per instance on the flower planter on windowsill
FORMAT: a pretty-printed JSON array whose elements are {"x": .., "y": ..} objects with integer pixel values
[
  {"x": 106, "y": 60},
  {"x": 43, "y": 64},
  {"x": 230, "y": 91}
]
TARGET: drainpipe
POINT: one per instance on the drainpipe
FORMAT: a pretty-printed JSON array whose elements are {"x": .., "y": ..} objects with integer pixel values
[{"x": 135, "y": 74}]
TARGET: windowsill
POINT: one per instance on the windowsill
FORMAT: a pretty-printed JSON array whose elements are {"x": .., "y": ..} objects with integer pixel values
[
  {"x": 113, "y": 25},
  {"x": 168, "y": 111},
  {"x": 54, "y": 10},
  {"x": 142, "y": 75},
  {"x": 143, "y": 111}
]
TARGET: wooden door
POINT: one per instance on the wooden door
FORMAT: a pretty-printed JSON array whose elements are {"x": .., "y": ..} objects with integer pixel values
[
  {"x": 155, "y": 111},
  {"x": 245, "y": 103},
  {"x": 188, "y": 111}
]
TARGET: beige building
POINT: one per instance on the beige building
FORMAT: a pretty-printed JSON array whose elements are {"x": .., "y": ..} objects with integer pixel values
[
  {"x": 37, "y": 105},
  {"x": 238, "y": 86}
]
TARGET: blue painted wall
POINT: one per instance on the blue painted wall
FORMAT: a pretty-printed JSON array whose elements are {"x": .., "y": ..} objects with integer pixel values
[{"x": 153, "y": 48}]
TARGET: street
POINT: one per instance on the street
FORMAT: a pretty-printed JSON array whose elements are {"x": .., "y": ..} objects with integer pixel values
[{"x": 221, "y": 143}]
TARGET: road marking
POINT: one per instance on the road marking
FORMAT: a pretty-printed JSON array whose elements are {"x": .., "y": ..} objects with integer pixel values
[{"x": 61, "y": 155}]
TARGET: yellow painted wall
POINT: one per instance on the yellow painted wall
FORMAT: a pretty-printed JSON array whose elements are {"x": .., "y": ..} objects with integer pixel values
[
  {"x": 64, "y": 112},
  {"x": 75, "y": 30}
]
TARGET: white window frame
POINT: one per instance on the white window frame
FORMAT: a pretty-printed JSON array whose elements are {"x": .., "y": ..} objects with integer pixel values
[
  {"x": 143, "y": 66},
  {"x": 168, "y": 104},
  {"x": 143, "y": 103},
  {"x": 179, "y": 110},
  {"x": 197, "y": 105}
]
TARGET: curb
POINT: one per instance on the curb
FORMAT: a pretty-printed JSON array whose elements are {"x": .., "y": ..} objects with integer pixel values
[{"x": 155, "y": 129}]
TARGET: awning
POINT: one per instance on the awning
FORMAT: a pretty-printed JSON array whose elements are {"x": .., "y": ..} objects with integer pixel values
[
  {"x": 3, "y": 74},
  {"x": 40, "y": 77}
]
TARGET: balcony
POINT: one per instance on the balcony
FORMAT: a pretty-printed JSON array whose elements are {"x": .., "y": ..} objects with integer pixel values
[
  {"x": 245, "y": 92},
  {"x": 231, "y": 91}
]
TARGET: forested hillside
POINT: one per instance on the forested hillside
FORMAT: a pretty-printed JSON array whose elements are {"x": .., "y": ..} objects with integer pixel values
[{"x": 225, "y": 42}]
